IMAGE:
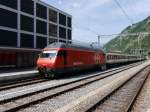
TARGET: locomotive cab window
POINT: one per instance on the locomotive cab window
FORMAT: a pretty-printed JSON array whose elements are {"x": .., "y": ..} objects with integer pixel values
[{"x": 48, "y": 54}]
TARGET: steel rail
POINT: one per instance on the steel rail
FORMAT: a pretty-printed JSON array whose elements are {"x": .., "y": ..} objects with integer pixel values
[
  {"x": 132, "y": 99},
  {"x": 22, "y": 83},
  {"x": 25, "y": 82},
  {"x": 58, "y": 90}
]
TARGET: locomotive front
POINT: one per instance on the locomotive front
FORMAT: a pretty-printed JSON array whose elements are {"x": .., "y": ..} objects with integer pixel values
[{"x": 46, "y": 62}]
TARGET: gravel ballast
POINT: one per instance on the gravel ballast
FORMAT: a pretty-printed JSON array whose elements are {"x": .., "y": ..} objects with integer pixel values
[
  {"x": 62, "y": 100},
  {"x": 142, "y": 103},
  {"x": 6, "y": 94}
]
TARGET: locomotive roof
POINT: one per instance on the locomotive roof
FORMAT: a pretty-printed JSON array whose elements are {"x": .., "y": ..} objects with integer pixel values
[{"x": 69, "y": 45}]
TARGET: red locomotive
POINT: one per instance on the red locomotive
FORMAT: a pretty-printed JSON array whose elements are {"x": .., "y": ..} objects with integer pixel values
[{"x": 59, "y": 58}]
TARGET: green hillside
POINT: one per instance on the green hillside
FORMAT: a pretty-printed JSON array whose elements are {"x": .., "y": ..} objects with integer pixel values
[{"x": 127, "y": 43}]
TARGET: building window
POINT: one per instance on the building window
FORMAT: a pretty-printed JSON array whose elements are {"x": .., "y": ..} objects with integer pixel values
[
  {"x": 69, "y": 22},
  {"x": 62, "y": 19},
  {"x": 8, "y": 38},
  {"x": 27, "y": 23},
  {"x": 52, "y": 30},
  {"x": 9, "y": 3},
  {"x": 41, "y": 42},
  {"x": 27, "y": 41},
  {"x": 41, "y": 27},
  {"x": 52, "y": 16},
  {"x": 41, "y": 11},
  {"x": 27, "y": 6},
  {"x": 62, "y": 32},
  {"x": 69, "y": 34},
  {"x": 64, "y": 41},
  {"x": 51, "y": 40},
  {"x": 8, "y": 18}
]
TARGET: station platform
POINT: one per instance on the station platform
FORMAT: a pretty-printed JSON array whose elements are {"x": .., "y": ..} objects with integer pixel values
[{"x": 16, "y": 74}]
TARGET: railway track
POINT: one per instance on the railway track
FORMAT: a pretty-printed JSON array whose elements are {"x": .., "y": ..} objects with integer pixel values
[
  {"x": 25, "y": 82},
  {"x": 122, "y": 99},
  {"x": 10, "y": 85},
  {"x": 15, "y": 103}
]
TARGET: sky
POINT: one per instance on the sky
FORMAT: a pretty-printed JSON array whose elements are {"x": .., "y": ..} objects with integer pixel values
[{"x": 93, "y": 17}]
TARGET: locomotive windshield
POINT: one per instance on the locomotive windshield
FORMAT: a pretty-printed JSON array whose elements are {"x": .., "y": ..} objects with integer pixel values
[{"x": 48, "y": 54}]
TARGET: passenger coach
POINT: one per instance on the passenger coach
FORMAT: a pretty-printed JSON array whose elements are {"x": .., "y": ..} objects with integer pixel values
[{"x": 119, "y": 58}]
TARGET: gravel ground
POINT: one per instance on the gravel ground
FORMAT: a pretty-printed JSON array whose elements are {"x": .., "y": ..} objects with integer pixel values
[
  {"x": 64, "y": 99},
  {"x": 120, "y": 100},
  {"x": 39, "y": 86},
  {"x": 57, "y": 102},
  {"x": 30, "y": 88},
  {"x": 142, "y": 103},
  {"x": 35, "y": 87}
]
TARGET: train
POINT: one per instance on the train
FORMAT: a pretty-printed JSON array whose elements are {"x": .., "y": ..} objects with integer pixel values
[
  {"x": 58, "y": 58},
  {"x": 120, "y": 58},
  {"x": 18, "y": 58},
  {"x": 5, "y": 56}
]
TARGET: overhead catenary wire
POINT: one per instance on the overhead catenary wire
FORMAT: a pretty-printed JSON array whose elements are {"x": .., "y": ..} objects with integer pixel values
[
  {"x": 110, "y": 35},
  {"x": 123, "y": 11},
  {"x": 126, "y": 34}
]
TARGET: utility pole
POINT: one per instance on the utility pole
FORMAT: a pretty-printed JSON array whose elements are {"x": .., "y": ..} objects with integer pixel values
[
  {"x": 99, "y": 40},
  {"x": 138, "y": 46},
  {"x": 140, "y": 43},
  {"x": 120, "y": 38}
]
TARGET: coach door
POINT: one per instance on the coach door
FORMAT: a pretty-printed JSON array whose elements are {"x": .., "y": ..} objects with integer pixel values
[{"x": 65, "y": 58}]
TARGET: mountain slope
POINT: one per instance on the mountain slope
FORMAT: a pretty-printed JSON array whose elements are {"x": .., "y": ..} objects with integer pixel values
[{"x": 127, "y": 43}]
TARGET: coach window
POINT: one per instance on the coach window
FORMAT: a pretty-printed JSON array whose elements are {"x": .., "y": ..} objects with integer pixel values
[
  {"x": 9, "y": 3},
  {"x": 52, "y": 15},
  {"x": 123, "y": 57},
  {"x": 41, "y": 42},
  {"x": 41, "y": 11},
  {"x": 113, "y": 57},
  {"x": 52, "y": 30},
  {"x": 8, "y": 18},
  {"x": 8, "y": 38},
  {"x": 108, "y": 57},
  {"x": 41, "y": 27},
  {"x": 120, "y": 57},
  {"x": 117, "y": 57},
  {"x": 62, "y": 19},
  {"x": 27, "y": 41},
  {"x": 62, "y": 32},
  {"x": 27, "y": 6},
  {"x": 27, "y": 23}
]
